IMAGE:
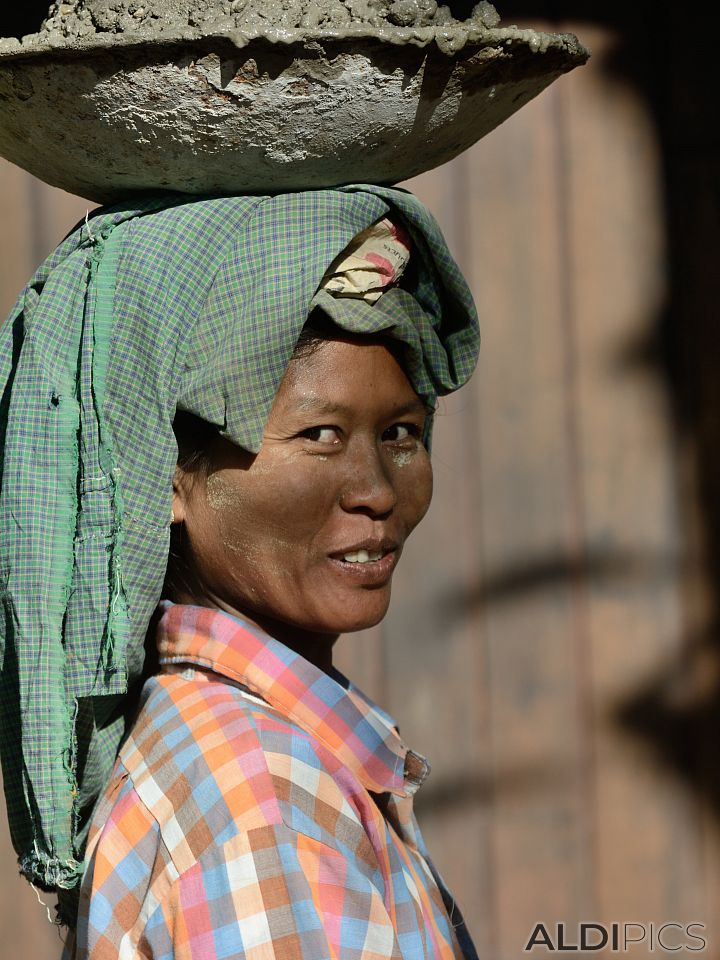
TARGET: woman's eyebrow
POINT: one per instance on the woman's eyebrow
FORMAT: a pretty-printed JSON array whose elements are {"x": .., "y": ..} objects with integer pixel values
[{"x": 320, "y": 406}]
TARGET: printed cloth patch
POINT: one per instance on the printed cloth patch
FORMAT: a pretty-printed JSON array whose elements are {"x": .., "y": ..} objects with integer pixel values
[{"x": 374, "y": 260}]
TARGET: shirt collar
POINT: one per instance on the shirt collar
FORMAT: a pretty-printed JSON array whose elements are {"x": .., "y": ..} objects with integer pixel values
[{"x": 329, "y": 708}]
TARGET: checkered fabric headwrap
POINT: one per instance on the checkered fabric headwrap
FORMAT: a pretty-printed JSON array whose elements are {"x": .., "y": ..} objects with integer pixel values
[{"x": 172, "y": 302}]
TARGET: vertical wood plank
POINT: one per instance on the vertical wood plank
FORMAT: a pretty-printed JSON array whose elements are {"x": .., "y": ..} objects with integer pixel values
[
  {"x": 645, "y": 818},
  {"x": 528, "y": 593},
  {"x": 692, "y": 170},
  {"x": 16, "y": 239},
  {"x": 35, "y": 218}
]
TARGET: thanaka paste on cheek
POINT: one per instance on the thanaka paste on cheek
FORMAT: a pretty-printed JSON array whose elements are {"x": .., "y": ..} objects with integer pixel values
[
  {"x": 401, "y": 458},
  {"x": 228, "y": 500},
  {"x": 221, "y": 495}
]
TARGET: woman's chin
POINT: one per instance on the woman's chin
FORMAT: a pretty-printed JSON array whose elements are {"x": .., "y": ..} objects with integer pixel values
[
  {"x": 362, "y": 615},
  {"x": 335, "y": 615}
]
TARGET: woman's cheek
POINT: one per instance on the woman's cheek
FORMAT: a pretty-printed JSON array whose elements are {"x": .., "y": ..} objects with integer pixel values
[
  {"x": 282, "y": 504},
  {"x": 415, "y": 487},
  {"x": 426, "y": 488},
  {"x": 224, "y": 494}
]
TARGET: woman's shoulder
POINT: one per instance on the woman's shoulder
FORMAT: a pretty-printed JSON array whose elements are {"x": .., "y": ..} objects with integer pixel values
[{"x": 209, "y": 759}]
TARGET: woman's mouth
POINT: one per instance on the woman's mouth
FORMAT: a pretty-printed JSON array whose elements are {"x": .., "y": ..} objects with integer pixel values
[
  {"x": 363, "y": 556},
  {"x": 371, "y": 566}
]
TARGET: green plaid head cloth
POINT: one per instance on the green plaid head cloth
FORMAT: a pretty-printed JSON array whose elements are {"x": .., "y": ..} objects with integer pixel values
[{"x": 168, "y": 303}]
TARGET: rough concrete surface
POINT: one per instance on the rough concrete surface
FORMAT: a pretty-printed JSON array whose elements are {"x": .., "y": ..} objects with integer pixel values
[
  {"x": 76, "y": 18},
  {"x": 214, "y": 111},
  {"x": 131, "y": 21}
]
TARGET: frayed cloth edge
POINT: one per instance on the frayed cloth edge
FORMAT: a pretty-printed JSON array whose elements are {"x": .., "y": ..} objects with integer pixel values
[{"x": 50, "y": 873}]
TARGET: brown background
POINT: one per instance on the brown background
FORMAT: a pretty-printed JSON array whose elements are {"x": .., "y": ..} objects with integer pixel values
[{"x": 552, "y": 645}]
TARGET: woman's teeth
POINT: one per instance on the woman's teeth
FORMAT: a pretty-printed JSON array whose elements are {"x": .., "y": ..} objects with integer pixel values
[{"x": 362, "y": 556}]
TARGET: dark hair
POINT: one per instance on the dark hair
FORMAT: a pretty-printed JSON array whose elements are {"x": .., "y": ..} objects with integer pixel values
[{"x": 194, "y": 437}]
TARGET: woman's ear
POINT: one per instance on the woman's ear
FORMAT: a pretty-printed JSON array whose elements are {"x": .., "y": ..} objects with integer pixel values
[{"x": 179, "y": 497}]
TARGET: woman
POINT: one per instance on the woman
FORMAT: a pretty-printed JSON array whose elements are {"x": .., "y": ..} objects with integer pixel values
[{"x": 261, "y": 372}]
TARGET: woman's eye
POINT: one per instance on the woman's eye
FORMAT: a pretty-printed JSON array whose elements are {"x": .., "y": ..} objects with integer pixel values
[
  {"x": 322, "y": 434},
  {"x": 400, "y": 431}
]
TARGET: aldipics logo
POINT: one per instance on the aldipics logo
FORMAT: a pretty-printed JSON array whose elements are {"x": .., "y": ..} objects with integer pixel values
[{"x": 617, "y": 937}]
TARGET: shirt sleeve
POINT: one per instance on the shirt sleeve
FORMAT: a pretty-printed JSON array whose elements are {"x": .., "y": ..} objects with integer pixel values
[{"x": 270, "y": 893}]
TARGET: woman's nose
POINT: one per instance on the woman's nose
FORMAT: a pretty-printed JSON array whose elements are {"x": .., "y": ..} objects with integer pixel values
[{"x": 368, "y": 487}]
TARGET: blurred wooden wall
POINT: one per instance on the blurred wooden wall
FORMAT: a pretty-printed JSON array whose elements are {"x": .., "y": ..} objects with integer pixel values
[{"x": 550, "y": 645}]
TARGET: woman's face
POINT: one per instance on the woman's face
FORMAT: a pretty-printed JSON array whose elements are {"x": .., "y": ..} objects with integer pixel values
[{"x": 306, "y": 534}]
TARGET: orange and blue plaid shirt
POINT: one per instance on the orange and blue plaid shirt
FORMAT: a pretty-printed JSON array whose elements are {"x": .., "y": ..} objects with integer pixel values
[{"x": 260, "y": 809}]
